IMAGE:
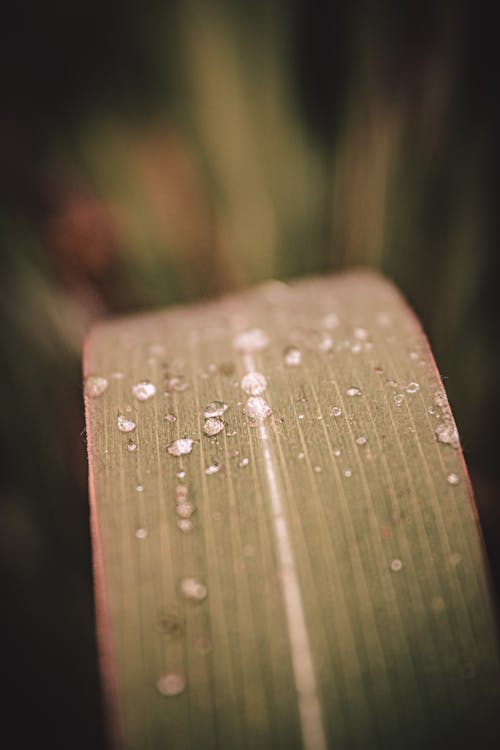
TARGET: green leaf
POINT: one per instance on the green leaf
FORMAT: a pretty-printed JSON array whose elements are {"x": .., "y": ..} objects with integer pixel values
[{"x": 313, "y": 577}]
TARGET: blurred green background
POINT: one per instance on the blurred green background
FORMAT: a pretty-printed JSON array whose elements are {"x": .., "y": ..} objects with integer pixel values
[{"x": 162, "y": 152}]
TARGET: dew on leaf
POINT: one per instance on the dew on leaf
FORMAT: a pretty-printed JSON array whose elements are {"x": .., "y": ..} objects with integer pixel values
[
  {"x": 192, "y": 589},
  {"x": 336, "y": 411},
  {"x": 124, "y": 424},
  {"x": 292, "y": 356},
  {"x": 446, "y": 432},
  {"x": 453, "y": 478},
  {"x": 143, "y": 390},
  {"x": 215, "y": 409},
  {"x": 353, "y": 391},
  {"x": 213, "y": 426},
  {"x": 254, "y": 383},
  {"x": 253, "y": 340},
  {"x": 257, "y": 408},
  {"x": 171, "y": 683},
  {"x": 95, "y": 385},
  {"x": 180, "y": 447}
]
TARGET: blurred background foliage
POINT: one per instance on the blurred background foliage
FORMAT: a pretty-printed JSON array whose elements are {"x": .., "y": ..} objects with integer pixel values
[{"x": 157, "y": 152}]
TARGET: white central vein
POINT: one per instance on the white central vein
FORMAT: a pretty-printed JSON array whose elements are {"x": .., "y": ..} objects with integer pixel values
[{"x": 313, "y": 733}]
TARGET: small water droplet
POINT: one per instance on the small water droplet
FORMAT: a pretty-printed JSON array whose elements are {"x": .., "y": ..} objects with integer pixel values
[
  {"x": 398, "y": 399},
  {"x": 325, "y": 343},
  {"x": 143, "y": 390},
  {"x": 215, "y": 409},
  {"x": 244, "y": 462},
  {"x": 446, "y": 432},
  {"x": 361, "y": 334},
  {"x": 361, "y": 440},
  {"x": 348, "y": 473},
  {"x": 379, "y": 370},
  {"x": 396, "y": 565},
  {"x": 353, "y": 391},
  {"x": 254, "y": 383},
  {"x": 171, "y": 683},
  {"x": 337, "y": 452},
  {"x": 181, "y": 493},
  {"x": 170, "y": 417},
  {"x": 441, "y": 401},
  {"x": 176, "y": 383},
  {"x": 139, "y": 488},
  {"x": 95, "y": 385},
  {"x": 131, "y": 446},
  {"x": 185, "y": 525},
  {"x": 413, "y": 355},
  {"x": 185, "y": 510},
  {"x": 212, "y": 469},
  {"x": 336, "y": 411},
  {"x": 213, "y": 426},
  {"x": 193, "y": 590},
  {"x": 180, "y": 447},
  {"x": 453, "y": 478},
  {"x": 180, "y": 474},
  {"x": 330, "y": 321},
  {"x": 253, "y": 340},
  {"x": 301, "y": 455},
  {"x": 356, "y": 348},
  {"x": 292, "y": 356},
  {"x": 412, "y": 388},
  {"x": 391, "y": 383},
  {"x": 317, "y": 469},
  {"x": 301, "y": 416},
  {"x": 141, "y": 533},
  {"x": 124, "y": 424},
  {"x": 257, "y": 408}
]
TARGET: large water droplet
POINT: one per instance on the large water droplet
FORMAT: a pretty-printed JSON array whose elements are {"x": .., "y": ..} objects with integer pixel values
[
  {"x": 257, "y": 408},
  {"x": 171, "y": 683},
  {"x": 212, "y": 469},
  {"x": 213, "y": 426},
  {"x": 170, "y": 417},
  {"x": 143, "y": 390},
  {"x": 353, "y": 392},
  {"x": 215, "y": 409},
  {"x": 95, "y": 385},
  {"x": 254, "y": 383},
  {"x": 412, "y": 388},
  {"x": 292, "y": 356},
  {"x": 253, "y": 340},
  {"x": 446, "y": 432},
  {"x": 193, "y": 590},
  {"x": 180, "y": 447},
  {"x": 124, "y": 424}
]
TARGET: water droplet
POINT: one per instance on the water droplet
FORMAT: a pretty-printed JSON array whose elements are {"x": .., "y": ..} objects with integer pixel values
[
  {"x": 317, "y": 469},
  {"x": 398, "y": 399},
  {"x": 180, "y": 447},
  {"x": 141, "y": 533},
  {"x": 244, "y": 462},
  {"x": 144, "y": 390},
  {"x": 124, "y": 424},
  {"x": 180, "y": 474},
  {"x": 361, "y": 334},
  {"x": 453, "y": 478},
  {"x": 170, "y": 417},
  {"x": 213, "y": 426},
  {"x": 348, "y": 473},
  {"x": 257, "y": 408},
  {"x": 325, "y": 343},
  {"x": 253, "y": 340},
  {"x": 185, "y": 525},
  {"x": 396, "y": 565},
  {"x": 215, "y": 409},
  {"x": 379, "y": 370},
  {"x": 301, "y": 455},
  {"x": 353, "y": 392},
  {"x": 446, "y": 432},
  {"x": 292, "y": 356},
  {"x": 193, "y": 590},
  {"x": 181, "y": 493},
  {"x": 441, "y": 401},
  {"x": 139, "y": 488},
  {"x": 95, "y": 385},
  {"x": 412, "y": 388},
  {"x": 212, "y": 469},
  {"x": 361, "y": 440},
  {"x": 356, "y": 348},
  {"x": 176, "y": 383},
  {"x": 331, "y": 320},
  {"x": 391, "y": 383},
  {"x": 336, "y": 411},
  {"x": 301, "y": 416},
  {"x": 254, "y": 383},
  {"x": 131, "y": 446},
  {"x": 413, "y": 355},
  {"x": 185, "y": 510},
  {"x": 337, "y": 452},
  {"x": 171, "y": 683}
]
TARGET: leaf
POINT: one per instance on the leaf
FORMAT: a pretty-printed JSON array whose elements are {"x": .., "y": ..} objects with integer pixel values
[{"x": 332, "y": 591}]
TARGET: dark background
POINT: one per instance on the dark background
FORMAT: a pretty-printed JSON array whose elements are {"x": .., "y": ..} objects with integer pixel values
[{"x": 157, "y": 152}]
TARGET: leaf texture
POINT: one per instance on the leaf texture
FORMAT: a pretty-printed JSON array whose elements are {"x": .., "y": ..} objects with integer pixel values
[{"x": 309, "y": 578}]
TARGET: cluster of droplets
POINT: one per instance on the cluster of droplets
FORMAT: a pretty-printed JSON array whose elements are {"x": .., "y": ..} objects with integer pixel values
[
  {"x": 446, "y": 431},
  {"x": 213, "y": 418}
]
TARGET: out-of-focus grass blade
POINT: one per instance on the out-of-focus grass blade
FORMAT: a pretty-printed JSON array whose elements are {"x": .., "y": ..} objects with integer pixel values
[{"x": 311, "y": 577}]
